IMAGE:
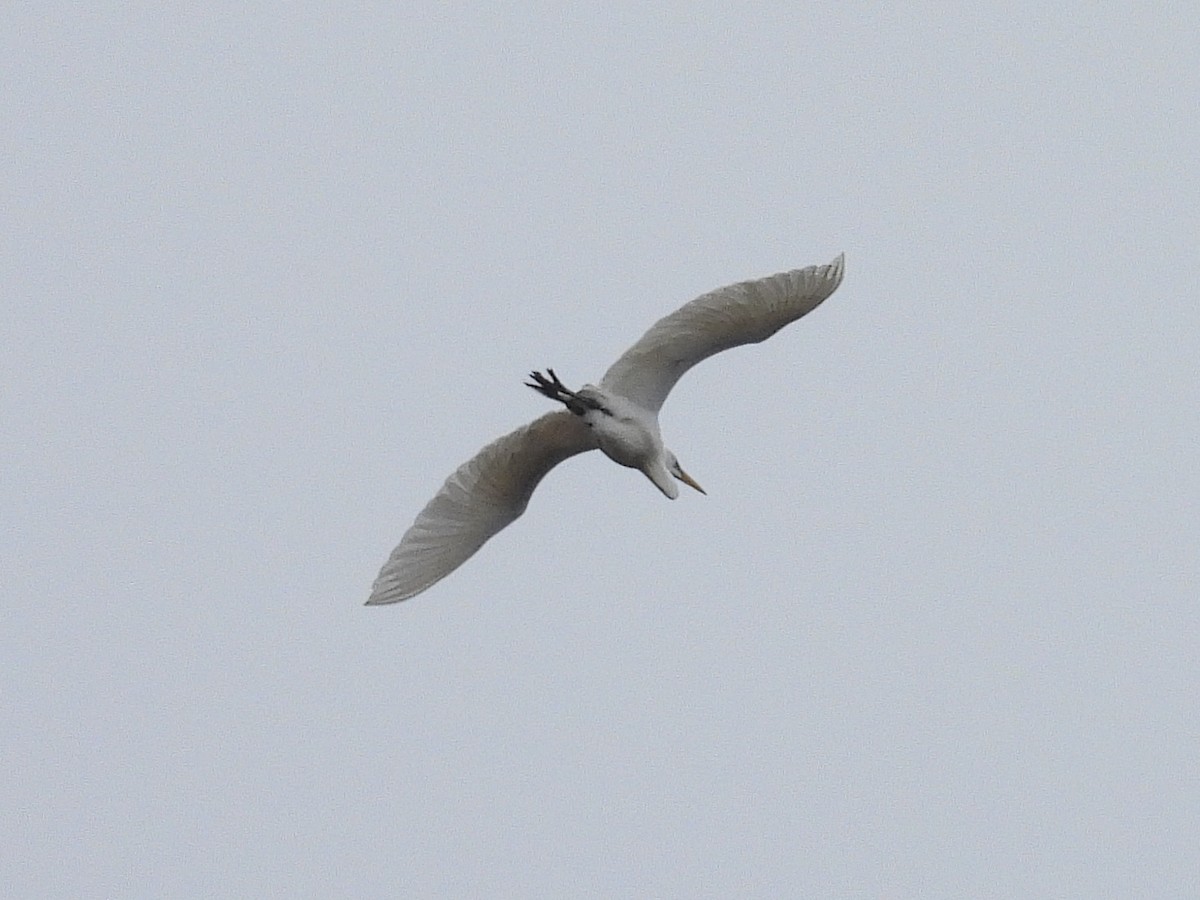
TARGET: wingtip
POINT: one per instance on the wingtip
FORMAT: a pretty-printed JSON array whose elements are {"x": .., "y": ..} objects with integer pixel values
[
  {"x": 384, "y": 598},
  {"x": 388, "y": 591},
  {"x": 385, "y": 595},
  {"x": 835, "y": 271}
]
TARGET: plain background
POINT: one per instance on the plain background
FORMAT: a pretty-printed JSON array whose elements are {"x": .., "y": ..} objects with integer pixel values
[{"x": 271, "y": 271}]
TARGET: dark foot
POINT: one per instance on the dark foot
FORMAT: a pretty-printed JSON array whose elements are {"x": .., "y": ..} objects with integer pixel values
[{"x": 554, "y": 389}]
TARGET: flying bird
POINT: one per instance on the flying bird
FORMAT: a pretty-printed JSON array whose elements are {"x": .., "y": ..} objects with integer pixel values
[{"x": 619, "y": 417}]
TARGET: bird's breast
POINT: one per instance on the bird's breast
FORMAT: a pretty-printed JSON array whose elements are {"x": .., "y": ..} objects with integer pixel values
[{"x": 624, "y": 441}]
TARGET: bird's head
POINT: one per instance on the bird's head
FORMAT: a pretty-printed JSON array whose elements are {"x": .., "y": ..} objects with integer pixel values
[
  {"x": 664, "y": 471},
  {"x": 677, "y": 472}
]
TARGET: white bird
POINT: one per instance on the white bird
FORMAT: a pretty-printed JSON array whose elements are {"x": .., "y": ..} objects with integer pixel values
[{"x": 619, "y": 417}]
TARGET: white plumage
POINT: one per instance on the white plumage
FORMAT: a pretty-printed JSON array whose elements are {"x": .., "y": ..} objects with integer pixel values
[{"x": 620, "y": 417}]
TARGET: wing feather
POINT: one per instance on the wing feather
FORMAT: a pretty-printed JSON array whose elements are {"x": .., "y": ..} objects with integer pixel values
[
  {"x": 743, "y": 313},
  {"x": 485, "y": 494}
]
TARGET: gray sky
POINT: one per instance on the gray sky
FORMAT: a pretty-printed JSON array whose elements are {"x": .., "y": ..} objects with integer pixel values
[{"x": 270, "y": 274}]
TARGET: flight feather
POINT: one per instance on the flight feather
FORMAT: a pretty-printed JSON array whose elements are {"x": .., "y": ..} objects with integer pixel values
[
  {"x": 742, "y": 313},
  {"x": 485, "y": 494}
]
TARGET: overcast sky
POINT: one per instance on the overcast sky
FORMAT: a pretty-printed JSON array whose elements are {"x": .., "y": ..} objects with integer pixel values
[{"x": 272, "y": 271}]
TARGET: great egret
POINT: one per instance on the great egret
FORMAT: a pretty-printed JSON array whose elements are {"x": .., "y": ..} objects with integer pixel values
[{"x": 619, "y": 417}]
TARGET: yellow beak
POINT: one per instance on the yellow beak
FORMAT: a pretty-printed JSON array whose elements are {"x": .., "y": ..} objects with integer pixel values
[{"x": 690, "y": 482}]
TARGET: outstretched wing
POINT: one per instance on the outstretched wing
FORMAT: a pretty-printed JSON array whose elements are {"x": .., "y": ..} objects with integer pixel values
[
  {"x": 743, "y": 313},
  {"x": 486, "y": 493}
]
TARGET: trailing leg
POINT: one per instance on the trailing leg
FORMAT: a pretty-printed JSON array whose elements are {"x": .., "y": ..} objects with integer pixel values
[{"x": 554, "y": 389}]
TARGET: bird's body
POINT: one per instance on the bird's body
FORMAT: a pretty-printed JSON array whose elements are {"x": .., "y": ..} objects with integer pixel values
[
  {"x": 618, "y": 417},
  {"x": 629, "y": 436},
  {"x": 625, "y": 438}
]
